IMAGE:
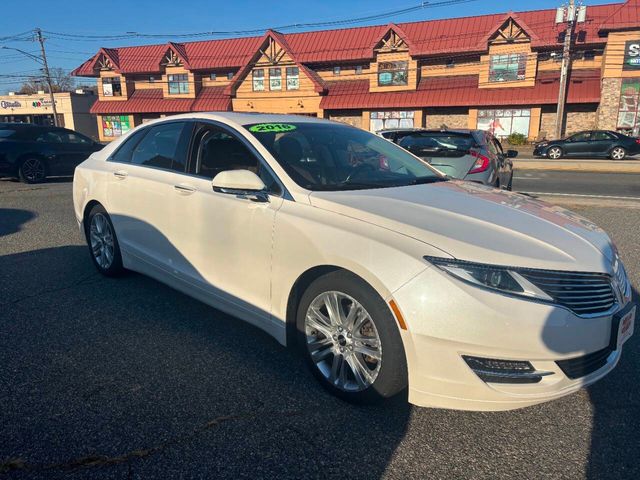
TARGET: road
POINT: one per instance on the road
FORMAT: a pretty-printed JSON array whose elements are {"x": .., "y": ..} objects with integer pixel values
[
  {"x": 592, "y": 184},
  {"x": 126, "y": 378}
]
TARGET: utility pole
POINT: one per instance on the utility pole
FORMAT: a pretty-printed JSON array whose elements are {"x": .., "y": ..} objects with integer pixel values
[
  {"x": 48, "y": 76},
  {"x": 569, "y": 15}
]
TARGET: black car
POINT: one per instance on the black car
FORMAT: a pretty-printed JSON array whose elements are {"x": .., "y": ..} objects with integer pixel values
[
  {"x": 32, "y": 152},
  {"x": 590, "y": 143}
]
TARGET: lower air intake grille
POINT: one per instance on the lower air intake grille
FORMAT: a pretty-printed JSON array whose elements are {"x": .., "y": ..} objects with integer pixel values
[
  {"x": 582, "y": 366},
  {"x": 584, "y": 293}
]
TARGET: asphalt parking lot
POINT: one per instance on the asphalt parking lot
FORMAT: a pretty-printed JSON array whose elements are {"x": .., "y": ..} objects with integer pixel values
[{"x": 126, "y": 378}]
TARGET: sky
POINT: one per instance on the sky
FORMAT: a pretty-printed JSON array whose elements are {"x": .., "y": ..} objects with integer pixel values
[{"x": 87, "y": 18}]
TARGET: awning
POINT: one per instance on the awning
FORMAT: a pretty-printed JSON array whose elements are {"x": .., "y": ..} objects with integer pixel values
[{"x": 462, "y": 91}]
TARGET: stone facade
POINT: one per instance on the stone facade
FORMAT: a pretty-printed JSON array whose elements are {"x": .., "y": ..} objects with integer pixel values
[
  {"x": 607, "y": 118},
  {"x": 451, "y": 117},
  {"x": 352, "y": 118},
  {"x": 576, "y": 118}
]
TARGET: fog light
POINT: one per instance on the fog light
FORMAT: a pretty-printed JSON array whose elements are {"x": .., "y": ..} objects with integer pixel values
[{"x": 504, "y": 371}]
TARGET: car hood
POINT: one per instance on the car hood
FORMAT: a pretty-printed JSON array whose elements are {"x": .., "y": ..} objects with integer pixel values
[{"x": 476, "y": 223}]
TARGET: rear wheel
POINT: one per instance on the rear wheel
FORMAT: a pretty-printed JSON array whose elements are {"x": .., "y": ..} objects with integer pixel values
[
  {"x": 555, "y": 153},
  {"x": 103, "y": 243},
  {"x": 618, "y": 153},
  {"x": 350, "y": 339},
  {"x": 32, "y": 170}
]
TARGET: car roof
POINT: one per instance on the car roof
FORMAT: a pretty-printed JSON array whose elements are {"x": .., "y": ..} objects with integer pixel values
[{"x": 250, "y": 118}]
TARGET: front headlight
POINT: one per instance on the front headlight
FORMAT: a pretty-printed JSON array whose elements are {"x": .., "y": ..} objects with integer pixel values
[{"x": 490, "y": 276}]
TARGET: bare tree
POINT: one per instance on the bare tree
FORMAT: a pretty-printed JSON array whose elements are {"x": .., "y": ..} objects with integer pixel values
[{"x": 61, "y": 81}]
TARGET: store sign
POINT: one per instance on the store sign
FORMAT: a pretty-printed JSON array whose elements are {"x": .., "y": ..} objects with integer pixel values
[
  {"x": 631, "y": 55},
  {"x": 15, "y": 104},
  {"x": 42, "y": 103}
]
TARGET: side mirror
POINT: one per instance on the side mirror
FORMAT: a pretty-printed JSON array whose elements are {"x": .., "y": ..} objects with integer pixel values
[
  {"x": 240, "y": 182},
  {"x": 512, "y": 153}
]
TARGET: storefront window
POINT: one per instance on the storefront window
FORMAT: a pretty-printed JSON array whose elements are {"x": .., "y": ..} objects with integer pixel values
[
  {"x": 393, "y": 73},
  {"x": 382, "y": 120},
  {"x": 503, "y": 123},
  {"x": 115, "y": 125},
  {"x": 111, "y": 87},
  {"x": 275, "y": 79},
  {"x": 178, "y": 84},
  {"x": 628, "y": 112},
  {"x": 293, "y": 78},
  {"x": 258, "y": 80},
  {"x": 508, "y": 68}
]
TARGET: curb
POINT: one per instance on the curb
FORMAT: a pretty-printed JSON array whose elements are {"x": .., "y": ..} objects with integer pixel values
[{"x": 580, "y": 166}]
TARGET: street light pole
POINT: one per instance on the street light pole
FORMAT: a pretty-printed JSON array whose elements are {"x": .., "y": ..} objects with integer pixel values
[
  {"x": 48, "y": 76},
  {"x": 564, "y": 69}
]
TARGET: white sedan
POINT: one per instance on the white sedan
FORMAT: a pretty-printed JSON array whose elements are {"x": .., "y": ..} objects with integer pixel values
[{"x": 387, "y": 275}]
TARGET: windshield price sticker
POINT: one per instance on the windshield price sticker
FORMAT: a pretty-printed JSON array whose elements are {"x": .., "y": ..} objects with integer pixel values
[{"x": 272, "y": 127}]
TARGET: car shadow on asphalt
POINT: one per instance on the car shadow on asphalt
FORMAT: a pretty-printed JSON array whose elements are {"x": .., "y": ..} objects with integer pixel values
[
  {"x": 12, "y": 220},
  {"x": 615, "y": 434},
  {"x": 105, "y": 376}
]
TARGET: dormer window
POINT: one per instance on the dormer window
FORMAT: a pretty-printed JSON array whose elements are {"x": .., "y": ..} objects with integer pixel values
[
  {"x": 275, "y": 79},
  {"x": 178, "y": 84},
  {"x": 212, "y": 76},
  {"x": 508, "y": 67},
  {"x": 258, "y": 80},
  {"x": 393, "y": 73},
  {"x": 336, "y": 71},
  {"x": 111, "y": 87}
]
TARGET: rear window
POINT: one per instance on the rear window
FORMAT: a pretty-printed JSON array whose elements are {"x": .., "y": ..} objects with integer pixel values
[{"x": 444, "y": 141}]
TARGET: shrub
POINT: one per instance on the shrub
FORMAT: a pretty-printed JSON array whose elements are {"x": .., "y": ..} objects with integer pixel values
[{"x": 517, "y": 139}]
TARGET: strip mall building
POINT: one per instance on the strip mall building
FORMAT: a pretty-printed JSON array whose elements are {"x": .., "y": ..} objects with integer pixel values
[{"x": 498, "y": 72}]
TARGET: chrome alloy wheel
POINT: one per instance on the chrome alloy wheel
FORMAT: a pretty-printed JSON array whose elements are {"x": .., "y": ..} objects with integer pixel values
[
  {"x": 617, "y": 153},
  {"x": 101, "y": 238},
  {"x": 555, "y": 153},
  {"x": 33, "y": 170},
  {"x": 343, "y": 341}
]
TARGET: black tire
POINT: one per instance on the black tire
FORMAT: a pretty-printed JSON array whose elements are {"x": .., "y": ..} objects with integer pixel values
[
  {"x": 617, "y": 153},
  {"x": 392, "y": 374},
  {"x": 555, "y": 149},
  {"x": 114, "y": 267},
  {"x": 33, "y": 170}
]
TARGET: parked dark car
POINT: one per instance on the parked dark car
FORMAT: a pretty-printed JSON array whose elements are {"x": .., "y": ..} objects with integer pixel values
[
  {"x": 473, "y": 155},
  {"x": 590, "y": 143},
  {"x": 32, "y": 152}
]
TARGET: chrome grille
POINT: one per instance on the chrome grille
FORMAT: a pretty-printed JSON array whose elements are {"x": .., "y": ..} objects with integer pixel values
[{"x": 584, "y": 293}]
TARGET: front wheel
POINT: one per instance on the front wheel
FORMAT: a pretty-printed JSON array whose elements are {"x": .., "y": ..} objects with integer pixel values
[
  {"x": 350, "y": 339},
  {"x": 103, "y": 243},
  {"x": 555, "y": 153},
  {"x": 618, "y": 153}
]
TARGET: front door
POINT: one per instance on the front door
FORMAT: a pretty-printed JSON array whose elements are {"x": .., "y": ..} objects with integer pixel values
[
  {"x": 225, "y": 240},
  {"x": 578, "y": 145}
]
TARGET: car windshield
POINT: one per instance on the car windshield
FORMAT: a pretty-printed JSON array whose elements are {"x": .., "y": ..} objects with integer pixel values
[{"x": 326, "y": 156}]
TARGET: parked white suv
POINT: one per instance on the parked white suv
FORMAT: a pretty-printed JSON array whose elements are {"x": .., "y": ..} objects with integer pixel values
[{"x": 385, "y": 273}]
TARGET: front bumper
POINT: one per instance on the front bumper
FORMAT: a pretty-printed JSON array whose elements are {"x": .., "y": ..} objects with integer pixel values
[
  {"x": 448, "y": 319},
  {"x": 540, "y": 152}
]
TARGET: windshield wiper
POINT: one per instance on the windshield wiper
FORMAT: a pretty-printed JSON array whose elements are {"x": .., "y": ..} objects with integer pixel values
[{"x": 424, "y": 180}]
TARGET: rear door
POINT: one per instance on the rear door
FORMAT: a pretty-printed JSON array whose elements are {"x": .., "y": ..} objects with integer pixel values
[
  {"x": 601, "y": 143},
  {"x": 447, "y": 151},
  {"x": 141, "y": 190}
]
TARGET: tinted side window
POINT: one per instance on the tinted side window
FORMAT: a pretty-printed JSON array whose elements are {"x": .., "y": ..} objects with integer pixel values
[
  {"x": 216, "y": 150},
  {"x": 498, "y": 146},
  {"x": 125, "y": 151},
  {"x": 162, "y": 147},
  {"x": 602, "y": 136},
  {"x": 49, "y": 137},
  {"x": 580, "y": 137},
  {"x": 73, "y": 137}
]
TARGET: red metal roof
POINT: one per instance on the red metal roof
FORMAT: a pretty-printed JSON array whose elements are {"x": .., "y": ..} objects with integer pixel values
[
  {"x": 461, "y": 91},
  {"x": 435, "y": 37},
  {"x": 211, "y": 99},
  {"x": 625, "y": 16},
  {"x": 144, "y": 101}
]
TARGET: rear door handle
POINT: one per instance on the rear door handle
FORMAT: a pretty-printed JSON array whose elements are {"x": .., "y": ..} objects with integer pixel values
[
  {"x": 120, "y": 174},
  {"x": 184, "y": 189}
]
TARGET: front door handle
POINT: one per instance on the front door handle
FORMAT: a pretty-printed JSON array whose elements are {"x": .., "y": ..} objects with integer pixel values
[
  {"x": 184, "y": 189},
  {"x": 120, "y": 174}
]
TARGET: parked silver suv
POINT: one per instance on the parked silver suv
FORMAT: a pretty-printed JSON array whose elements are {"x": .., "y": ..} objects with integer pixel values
[{"x": 473, "y": 155}]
